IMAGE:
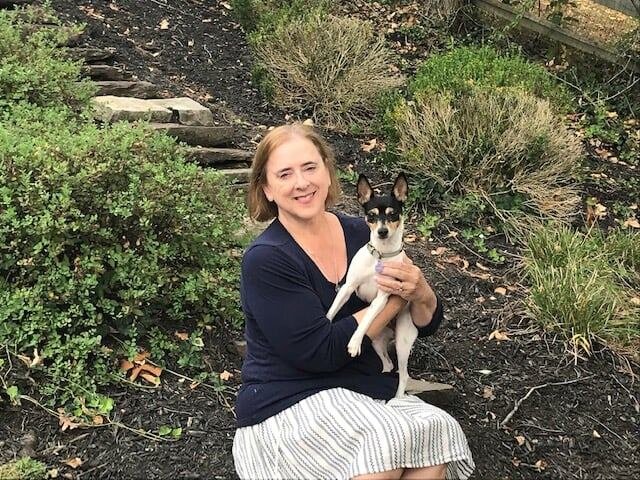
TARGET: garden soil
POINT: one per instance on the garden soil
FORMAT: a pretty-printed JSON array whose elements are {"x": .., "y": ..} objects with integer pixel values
[{"x": 567, "y": 416}]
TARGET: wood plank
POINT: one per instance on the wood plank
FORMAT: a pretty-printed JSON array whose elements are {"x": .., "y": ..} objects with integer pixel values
[
  {"x": 90, "y": 54},
  {"x": 623, "y": 6},
  {"x": 552, "y": 31},
  {"x": 196, "y": 135}
]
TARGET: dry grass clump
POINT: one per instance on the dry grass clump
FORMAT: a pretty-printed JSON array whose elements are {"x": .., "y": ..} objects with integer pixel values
[
  {"x": 333, "y": 67},
  {"x": 494, "y": 144}
]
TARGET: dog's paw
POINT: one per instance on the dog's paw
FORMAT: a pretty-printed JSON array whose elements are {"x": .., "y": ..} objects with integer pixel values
[{"x": 354, "y": 346}]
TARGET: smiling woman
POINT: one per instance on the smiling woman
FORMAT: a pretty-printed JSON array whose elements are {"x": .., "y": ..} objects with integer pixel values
[{"x": 307, "y": 408}]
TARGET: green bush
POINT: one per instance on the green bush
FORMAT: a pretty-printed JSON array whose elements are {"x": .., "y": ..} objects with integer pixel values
[
  {"x": 465, "y": 68},
  {"x": 268, "y": 15},
  {"x": 584, "y": 284},
  {"x": 106, "y": 232},
  {"x": 335, "y": 68},
  {"x": 33, "y": 68},
  {"x": 24, "y": 469},
  {"x": 502, "y": 147}
]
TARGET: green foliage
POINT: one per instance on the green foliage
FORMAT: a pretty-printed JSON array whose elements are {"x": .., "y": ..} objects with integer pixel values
[
  {"x": 267, "y": 15},
  {"x": 106, "y": 231},
  {"x": 24, "y": 469},
  {"x": 428, "y": 224},
  {"x": 34, "y": 69},
  {"x": 465, "y": 68},
  {"x": 584, "y": 284}
]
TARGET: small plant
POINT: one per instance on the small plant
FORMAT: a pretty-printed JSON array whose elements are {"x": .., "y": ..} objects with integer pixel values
[
  {"x": 267, "y": 15},
  {"x": 428, "y": 224},
  {"x": 24, "y": 469},
  {"x": 169, "y": 431}
]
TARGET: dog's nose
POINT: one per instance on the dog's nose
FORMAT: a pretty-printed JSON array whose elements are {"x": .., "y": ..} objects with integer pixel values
[{"x": 383, "y": 232}]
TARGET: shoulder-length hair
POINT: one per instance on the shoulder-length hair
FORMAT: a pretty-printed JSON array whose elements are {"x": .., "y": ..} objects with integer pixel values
[{"x": 260, "y": 208}]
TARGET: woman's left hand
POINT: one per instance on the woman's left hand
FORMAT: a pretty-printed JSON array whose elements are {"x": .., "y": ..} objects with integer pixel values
[{"x": 403, "y": 279}]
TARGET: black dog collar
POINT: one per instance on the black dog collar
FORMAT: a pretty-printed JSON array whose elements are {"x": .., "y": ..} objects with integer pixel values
[{"x": 376, "y": 253}]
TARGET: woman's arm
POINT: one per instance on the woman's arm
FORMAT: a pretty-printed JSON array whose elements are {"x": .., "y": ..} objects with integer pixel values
[{"x": 389, "y": 312}]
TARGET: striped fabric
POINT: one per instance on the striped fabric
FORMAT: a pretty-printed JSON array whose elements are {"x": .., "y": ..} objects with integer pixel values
[{"x": 338, "y": 434}]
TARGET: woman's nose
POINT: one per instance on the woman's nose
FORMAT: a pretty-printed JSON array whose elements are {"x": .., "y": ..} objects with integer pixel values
[{"x": 301, "y": 180}]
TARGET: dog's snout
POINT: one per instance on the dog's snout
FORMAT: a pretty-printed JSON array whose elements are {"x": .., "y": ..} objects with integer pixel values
[{"x": 383, "y": 232}]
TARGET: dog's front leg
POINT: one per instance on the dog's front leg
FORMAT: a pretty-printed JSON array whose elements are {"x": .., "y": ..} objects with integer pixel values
[
  {"x": 375, "y": 308},
  {"x": 341, "y": 298}
]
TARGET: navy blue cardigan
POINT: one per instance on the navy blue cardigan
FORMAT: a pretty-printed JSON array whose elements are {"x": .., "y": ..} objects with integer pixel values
[{"x": 293, "y": 351}]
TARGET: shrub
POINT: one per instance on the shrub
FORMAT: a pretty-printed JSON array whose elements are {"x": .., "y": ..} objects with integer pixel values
[
  {"x": 33, "y": 68},
  {"x": 585, "y": 284},
  {"x": 267, "y": 15},
  {"x": 334, "y": 67},
  {"x": 24, "y": 469},
  {"x": 465, "y": 68},
  {"x": 503, "y": 146},
  {"x": 106, "y": 231}
]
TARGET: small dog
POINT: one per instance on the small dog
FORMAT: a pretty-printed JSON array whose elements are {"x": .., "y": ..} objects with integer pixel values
[{"x": 384, "y": 217}]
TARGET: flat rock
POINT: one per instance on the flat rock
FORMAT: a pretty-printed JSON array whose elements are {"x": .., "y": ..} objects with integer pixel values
[
  {"x": 236, "y": 175},
  {"x": 198, "y": 135},
  {"x": 438, "y": 394},
  {"x": 90, "y": 54},
  {"x": 189, "y": 111},
  {"x": 122, "y": 88},
  {"x": 103, "y": 72},
  {"x": 217, "y": 156},
  {"x": 111, "y": 109}
]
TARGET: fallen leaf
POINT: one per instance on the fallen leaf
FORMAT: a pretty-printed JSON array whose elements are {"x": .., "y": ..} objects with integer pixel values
[
  {"x": 480, "y": 299},
  {"x": 368, "y": 146},
  {"x": 452, "y": 234},
  {"x": 152, "y": 379},
  {"x": 135, "y": 372},
  {"x": 516, "y": 462},
  {"x": 498, "y": 335},
  {"x": 226, "y": 5},
  {"x": 73, "y": 462},
  {"x": 439, "y": 251},
  {"x": 520, "y": 439},
  {"x": 631, "y": 222},
  {"x": 487, "y": 393},
  {"x": 484, "y": 372},
  {"x": 126, "y": 365},
  {"x": 37, "y": 359},
  {"x": 458, "y": 261},
  {"x": 481, "y": 276},
  {"x": 411, "y": 238},
  {"x": 182, "y": 335},
  {"x": 482, "y": 267},
  {"x": 53, "y": 473},
  {"x": 226, "y": 375},
  {"x": 500, "y": 291},
  {"x": 540, "y": 465},
  {"x": 98, "y": 420},
  {"x": 141, "y": 357},
  {"x": 596, "y": 434},
  {"x": 164, "y": 24}
]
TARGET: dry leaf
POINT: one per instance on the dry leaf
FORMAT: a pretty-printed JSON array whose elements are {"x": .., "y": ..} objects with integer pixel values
[
  {"x": 126, "y": 365},
  {"x": 152, "y": 379},
  {"x": 498, "y": 335},
  {"x": 73, "y": 462},
  {"x": 631, "y": 222},
  {"x": 65, "y": 422},
  {"x": 484, "y": 372},
  {"x": 481, "y": 276},
  {"x": 53, "y": 473},
  {"x": 98, "y": 420},
  {"x": 411, "y": 238},
  {"x": 439, "y": 251},
  {"x": 540, "y": 465},
  {"x": 482, "y": 267},
  {"x": 182, "y": 335},
  {"x": 226, "y": 375},
  {"x": 135, "y": 372},
  {"x": 368, "y": 146},
  {"x": 164, "y": 24},
  {"x": 452, "y": 234},
  {"x": 520, "y": 439},
  {"x": 516, "y": 462},
  {"x": 141, "y": 357},
  {"x": 500, "y": 291},
  {"x": 458, "y": 261},
  {"x": 480, "y": 299},
  {"x": 226, "y": 5},
  {"x": 596, "y": 434},
  {"x": 488, "y": 393}
]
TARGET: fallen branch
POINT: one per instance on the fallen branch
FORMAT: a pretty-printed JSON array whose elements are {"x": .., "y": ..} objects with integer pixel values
[{"x": 533, "y": 389}]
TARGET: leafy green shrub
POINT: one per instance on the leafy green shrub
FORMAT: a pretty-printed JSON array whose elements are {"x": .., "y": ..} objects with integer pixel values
[
  {"x": 33, "y": 68},
  {"x": 503, "y": 146},
  {"x": 580, "y": 284},
  {"x": 334, "y": 67},
  {"x": 267, "y": 15},
  {"x": 465, "y": 68},
  {"x": 106, "y": 231},
  {"x": 24, "y": 469}
]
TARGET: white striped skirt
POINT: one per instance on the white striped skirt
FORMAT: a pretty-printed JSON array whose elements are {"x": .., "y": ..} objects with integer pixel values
[{"x": 339, "y": 434}]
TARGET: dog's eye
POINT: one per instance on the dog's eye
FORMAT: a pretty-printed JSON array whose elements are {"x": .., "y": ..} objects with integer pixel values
[{"x": 371, "y": 217}]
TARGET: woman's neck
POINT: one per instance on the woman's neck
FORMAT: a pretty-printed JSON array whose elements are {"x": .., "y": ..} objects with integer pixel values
[{"x": 312, "y": 227}]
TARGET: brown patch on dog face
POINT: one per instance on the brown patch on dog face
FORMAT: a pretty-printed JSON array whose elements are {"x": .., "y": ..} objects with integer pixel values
[
  {"x": 393, "y": 225},
  {"x": 389, "y": 211}
]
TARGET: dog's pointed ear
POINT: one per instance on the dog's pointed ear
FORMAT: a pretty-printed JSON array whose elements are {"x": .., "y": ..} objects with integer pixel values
[
  {"x": 401, "y": 188},
  {"x": 364, "y": 190}
]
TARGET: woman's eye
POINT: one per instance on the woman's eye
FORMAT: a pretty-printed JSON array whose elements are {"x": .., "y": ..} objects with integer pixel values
[
  {"x": 310, "y": 167},
  {"x": 284, "y": 175}
]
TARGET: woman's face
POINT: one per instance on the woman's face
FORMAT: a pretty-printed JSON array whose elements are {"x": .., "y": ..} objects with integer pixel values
[{"x": 297, "y": 180}]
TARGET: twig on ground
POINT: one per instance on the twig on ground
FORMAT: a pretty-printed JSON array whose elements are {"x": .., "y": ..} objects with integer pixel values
[
  {"x": 538, "y": 387},
  {"x": 609, "y": 430}
]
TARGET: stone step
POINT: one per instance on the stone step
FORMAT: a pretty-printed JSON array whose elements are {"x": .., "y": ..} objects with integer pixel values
[
  {"x": 438, "y": 394},
  {"x": 197, "y": 135},
  {"x": 90, "y": 54},
  {"x": 236, "y": 175},
  {"x": 216, "y": 156},
  {"x": 104, "y": 72},
  {"x": 189, "y": 112},
  {"x": 110, "y": 109},
  {"x": 123, "y": 88}
]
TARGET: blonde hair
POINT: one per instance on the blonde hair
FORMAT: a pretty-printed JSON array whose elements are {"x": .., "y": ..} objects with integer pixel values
[{"x": 260, "y": 208}]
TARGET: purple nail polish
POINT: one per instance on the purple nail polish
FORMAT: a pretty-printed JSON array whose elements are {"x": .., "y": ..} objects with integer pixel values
[{"x": 379, "y": 267}]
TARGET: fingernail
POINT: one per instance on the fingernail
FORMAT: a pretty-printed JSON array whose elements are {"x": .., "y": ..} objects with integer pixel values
[{"x": 379, "y": 267}]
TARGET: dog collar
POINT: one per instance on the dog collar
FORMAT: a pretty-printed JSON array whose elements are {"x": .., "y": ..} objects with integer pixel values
[{"x": 378, "y": 254}]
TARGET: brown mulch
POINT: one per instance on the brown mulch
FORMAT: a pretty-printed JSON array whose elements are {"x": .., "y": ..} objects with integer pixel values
[{"x": 582, "y": 421}]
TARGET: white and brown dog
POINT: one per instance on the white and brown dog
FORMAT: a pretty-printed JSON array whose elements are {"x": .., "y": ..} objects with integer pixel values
[{"x": 384, "y": 217}]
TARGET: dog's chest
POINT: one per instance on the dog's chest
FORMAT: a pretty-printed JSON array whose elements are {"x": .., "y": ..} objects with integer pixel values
[{"x": 368, "y": 289}]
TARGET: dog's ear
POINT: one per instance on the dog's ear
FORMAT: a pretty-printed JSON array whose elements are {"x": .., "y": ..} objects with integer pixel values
[
  {"x": 364, "y": 190},
  {"x": 400, "y": 188}
]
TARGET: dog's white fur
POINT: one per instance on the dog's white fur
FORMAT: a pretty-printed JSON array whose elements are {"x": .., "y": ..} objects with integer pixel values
[{"x": 361, "y": 279}]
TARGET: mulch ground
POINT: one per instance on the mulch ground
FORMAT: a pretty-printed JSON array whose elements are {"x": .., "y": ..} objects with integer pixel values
[{"x": 582, "y": 419}]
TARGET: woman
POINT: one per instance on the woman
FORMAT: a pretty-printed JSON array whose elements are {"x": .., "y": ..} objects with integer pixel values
[{"x": 306, "y": 409}]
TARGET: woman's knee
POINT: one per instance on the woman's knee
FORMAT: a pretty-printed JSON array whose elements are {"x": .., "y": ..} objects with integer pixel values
[
  {"x": 435, "y": 472},
  {"x": 388, "y": 475}
]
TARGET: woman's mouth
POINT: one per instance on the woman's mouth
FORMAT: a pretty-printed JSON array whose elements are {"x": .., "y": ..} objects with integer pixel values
[{"x": 305, "y": 198}]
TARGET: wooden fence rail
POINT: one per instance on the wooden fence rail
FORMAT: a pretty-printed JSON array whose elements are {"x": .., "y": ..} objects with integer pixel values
[{"x": 551, "y": 30}]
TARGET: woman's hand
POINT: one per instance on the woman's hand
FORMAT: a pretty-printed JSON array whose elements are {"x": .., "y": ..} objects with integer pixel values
[{"x": 407, "y": 281}]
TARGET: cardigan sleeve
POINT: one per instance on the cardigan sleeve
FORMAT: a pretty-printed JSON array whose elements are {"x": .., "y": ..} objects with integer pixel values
[
  {"x": 290, "y": 314},
  {"x": 435, "y": 322}
]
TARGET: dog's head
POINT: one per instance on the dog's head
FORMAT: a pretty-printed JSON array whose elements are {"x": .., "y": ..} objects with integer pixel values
[{"x": 383, "y": 212}]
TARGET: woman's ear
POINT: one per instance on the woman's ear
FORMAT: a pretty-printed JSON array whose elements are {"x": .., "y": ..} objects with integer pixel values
[{"x": 267, "y": 192}]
